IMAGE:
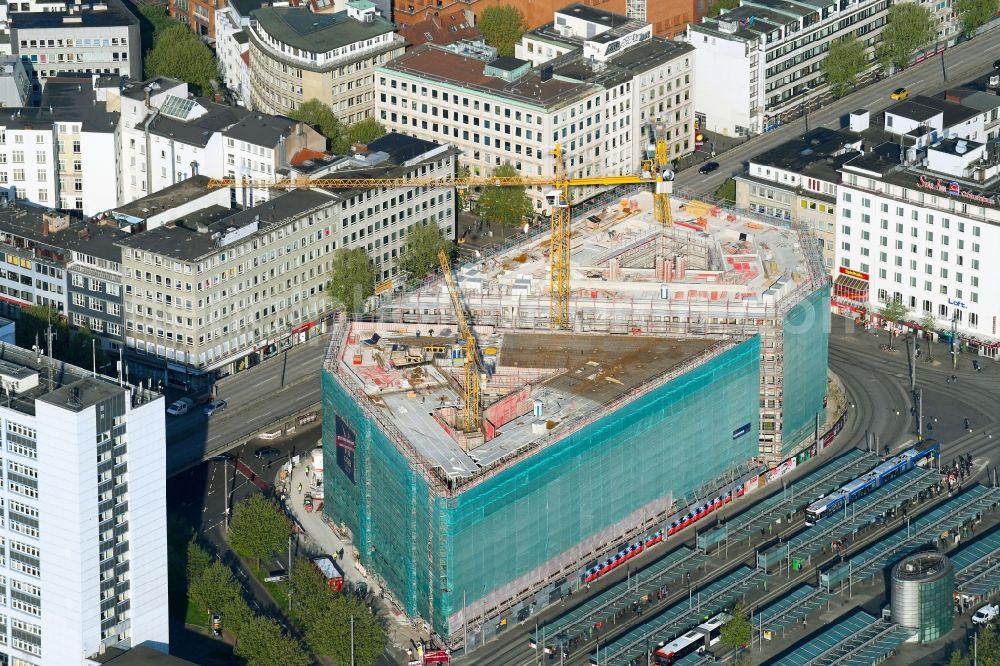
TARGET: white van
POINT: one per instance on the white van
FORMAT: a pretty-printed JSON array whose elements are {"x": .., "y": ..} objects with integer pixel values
[{"x": 180, "y": 407}]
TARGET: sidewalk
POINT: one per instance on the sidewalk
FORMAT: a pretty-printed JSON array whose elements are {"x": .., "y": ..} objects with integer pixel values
[{"x": 321, "y": 538}]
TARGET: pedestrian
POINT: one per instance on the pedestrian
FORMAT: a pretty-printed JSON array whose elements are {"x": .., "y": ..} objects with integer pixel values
[{"x": 300, "y": 488}]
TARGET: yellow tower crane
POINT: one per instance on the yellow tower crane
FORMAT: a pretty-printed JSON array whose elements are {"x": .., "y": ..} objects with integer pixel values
[
  {"x": 473, "y": 364},
  {"x": 559, "y": 279},
  {"x": 657, "y": 162}
]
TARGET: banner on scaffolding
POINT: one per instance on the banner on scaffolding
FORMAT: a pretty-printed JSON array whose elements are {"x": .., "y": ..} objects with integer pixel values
[{"x": 345, "y": 449}]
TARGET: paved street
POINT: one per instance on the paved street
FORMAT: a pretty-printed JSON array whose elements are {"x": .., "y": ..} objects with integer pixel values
[
  {"x": 963, "y": 62},
  {"x": 256, "y": 398}
]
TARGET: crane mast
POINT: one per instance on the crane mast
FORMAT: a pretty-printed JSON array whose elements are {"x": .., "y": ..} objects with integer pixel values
[{"x": 473, "y": 366}]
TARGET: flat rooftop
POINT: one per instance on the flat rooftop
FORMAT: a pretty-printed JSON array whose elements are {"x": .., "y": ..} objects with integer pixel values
[
  {"x": 72, "y": 388},
  {"x": 573, "y": 375},
  {"x": 709, "y": 267}
]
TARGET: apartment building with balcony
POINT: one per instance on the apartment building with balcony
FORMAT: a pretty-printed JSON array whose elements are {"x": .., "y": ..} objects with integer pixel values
[
  {"x": 763, "y": 58},
  {"x": 297, "y": 55}
]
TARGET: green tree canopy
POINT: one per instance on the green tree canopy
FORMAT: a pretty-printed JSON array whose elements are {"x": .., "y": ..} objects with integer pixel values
[
  {"x": 215, "y": 589},
  {"x": 420, "y": 256},
  {"x": 179, "y": 53},
  {"x": 929, "y": 323},
  {"x": 502, "y": 27},
  {"x": 364, "y": 131},
  {"x": 320, "y": 116},
  {"x": 157, "y": 17},
  {"x": 352, "y": 279},
  {"x": 32, "y": 324},
  {"x": 504, "y": 205},
  {"x": 327, "y": 616},
  {"x": 722, "y": 5},
  {"x": 893, "y": 311},
  {"x": 908, "y": 28},
  {"x": 262, "y": 642},
  {"x": 846, "y": 59},
  {"x": 258, "y": 528},
  {"x": 973, "y": 14},
  {"x": 736, "y": 632},
  {"x": 83, "y": 348},
  {"x": 198, "y": 560}
]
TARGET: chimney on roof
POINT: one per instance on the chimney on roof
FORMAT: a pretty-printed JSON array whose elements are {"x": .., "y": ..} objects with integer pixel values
[
  {"x": 360, "y": 149},
  {"x": 146, "y": 90}
]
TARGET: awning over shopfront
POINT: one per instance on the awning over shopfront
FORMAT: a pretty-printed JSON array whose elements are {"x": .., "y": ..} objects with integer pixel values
[{"x": 850, "y": 289}]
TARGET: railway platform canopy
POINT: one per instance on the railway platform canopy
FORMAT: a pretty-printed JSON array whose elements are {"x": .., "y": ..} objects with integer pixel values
[
  {"x": 977, "y": 566},
  {"x": 859, "y": 639},
  {"x": 946, "y": 518}
]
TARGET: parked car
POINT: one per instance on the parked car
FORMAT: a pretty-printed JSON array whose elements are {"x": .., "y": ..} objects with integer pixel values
[
  {"x": 266, "y": 452},
  {"x": 899, "y": 94},
  {"x": 996, "y": 64},
  {"x": 179, "y": 407},
  {"x": 216, "y": 625},
  {"x": 307, "y": 503},
  {"x": 214, "y": 406},
  {"x": 276, "y": 576},
  {"x": 987, "y": 613},
  {"x": 222, "y": 457},
  {"x": 708, "y": 167}
]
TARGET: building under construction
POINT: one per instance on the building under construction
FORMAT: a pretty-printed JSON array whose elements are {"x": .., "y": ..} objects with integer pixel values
[{"x": 670, "y": 383}]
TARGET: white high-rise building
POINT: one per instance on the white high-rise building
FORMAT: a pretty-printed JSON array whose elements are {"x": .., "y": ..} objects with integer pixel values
[{"x": 83, "y": 548}]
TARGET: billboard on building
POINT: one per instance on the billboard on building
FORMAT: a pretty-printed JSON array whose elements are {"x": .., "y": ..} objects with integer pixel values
[{"x": 345, "y": 449}]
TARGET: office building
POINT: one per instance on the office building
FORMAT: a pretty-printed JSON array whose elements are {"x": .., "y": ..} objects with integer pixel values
[
  {"x": 167, "y": 137},
  {"x": 102, "y": 38},
  {"x": 759, "y": 60},
  {"x": 797, "y": 182},
  {"x": 15, "y": 84},
  {"x": 477, "y": 529},
  {"x": 214, "y": 291},
  {"x": 596, "y": 96},
  {"x": 297, "y": 55},
  {"x": 84, "y": 541}
]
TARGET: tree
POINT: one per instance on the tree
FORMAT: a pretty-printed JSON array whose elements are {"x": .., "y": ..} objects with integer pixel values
[
  {"x": 263, "y": 643},
  {"x": 908, "y": 28},
  {"x": 215, "y": 589},
  {"x": 32, "y": 324},
  {"x": 84, "y": 350},
  {"x": 364, "y": 131},
  {"x": 504, "y": 205},
  {"x": 727, "y": 191},
  {"x": 352, "y": 279},
  {"x": 320, "y": 116},
  {"x": 958, "y": 659},
  {"x": 327, "y": 618},
  {"x": 972, "y": 14},
  {"x": 893, "y": 312},
  {"x": 157, "y": 17},
  {"x": 198, "y": 561},
  {"x": 844, "y": 62},
  {"x": 258, "y": 528},
  {"x": 180, "y": 54},
  {"x": 736, "y": 632},
  {"x": 502, "y": 27},
  {"x": 420, "y": 256},
  {"x": 929, "y": 323}
]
